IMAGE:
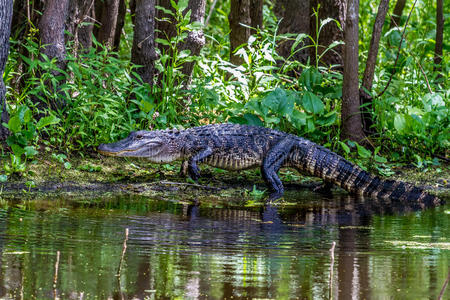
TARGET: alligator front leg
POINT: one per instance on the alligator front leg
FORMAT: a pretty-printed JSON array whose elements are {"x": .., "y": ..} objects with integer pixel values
[
  {"x": 271, "y": 165},
  {"x": 193, "y": 169}
]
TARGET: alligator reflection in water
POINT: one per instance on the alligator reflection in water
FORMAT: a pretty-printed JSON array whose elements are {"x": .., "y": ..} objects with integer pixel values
[{"x": 193, "y": 251}]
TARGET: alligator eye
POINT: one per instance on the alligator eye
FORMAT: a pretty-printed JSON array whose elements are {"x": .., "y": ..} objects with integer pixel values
[{"x": 139, "y": 136}]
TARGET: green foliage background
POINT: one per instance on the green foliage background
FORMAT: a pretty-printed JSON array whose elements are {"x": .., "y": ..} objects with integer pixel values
[{"x": 105, "y": 99}]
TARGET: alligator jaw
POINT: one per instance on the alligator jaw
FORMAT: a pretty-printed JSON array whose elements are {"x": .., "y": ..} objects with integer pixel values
[
  {"x": 116, "y": 149},
  {"x": 112, "y": 153}
]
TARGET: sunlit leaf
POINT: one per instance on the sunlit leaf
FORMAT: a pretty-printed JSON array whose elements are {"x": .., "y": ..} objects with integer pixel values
[
  {"x": 399, "y": 123},
  {"x": 14, "y": 124},
  {"x": 46, "y": 121},
  {"x": 312, "y": 103}
]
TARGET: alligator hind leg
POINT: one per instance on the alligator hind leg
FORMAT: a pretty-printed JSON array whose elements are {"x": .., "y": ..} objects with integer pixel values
[{"x": 271, "y": 165}]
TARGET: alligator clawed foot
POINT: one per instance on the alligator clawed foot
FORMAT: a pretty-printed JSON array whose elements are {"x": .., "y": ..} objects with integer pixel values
[{"x": 274, "y": 197}]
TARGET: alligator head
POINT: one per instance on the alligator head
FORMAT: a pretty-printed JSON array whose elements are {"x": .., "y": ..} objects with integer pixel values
[{"x": 159, "y": 146}]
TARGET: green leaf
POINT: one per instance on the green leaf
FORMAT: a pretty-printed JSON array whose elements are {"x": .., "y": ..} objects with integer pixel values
[
  {"x": 279, "y": 102},
  {"x": 67, "y": 165},
  {"x": 17, "y": 150},
  {"x": 310, "y": 77},
  {"x": 146, "y": 106},
  {"x": 298, "y": 119},
  {"x": 253, "y": 120},
  {"x": 24, "y": 114},
  {"x": 380, "y": 159},
  {"x": 399, "y": 123},
  {"x": 30, "y": 151},
  {"x": 344, "y": 147},
  {"x": 14, "y": 124},
  {"x": 162, "y": 42},
  {"x": 45, "y": 121},
  {"x": 300, "y": 37},
  {"x": 3, "y": 178},
  {"x": 312, "y": 103},
  {"x": 363, "y": 152},
  {"x": 256, "y": 106}
]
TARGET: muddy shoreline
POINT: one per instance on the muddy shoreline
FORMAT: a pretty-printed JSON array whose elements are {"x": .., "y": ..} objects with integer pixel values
[{"x": 95, "y": 177}]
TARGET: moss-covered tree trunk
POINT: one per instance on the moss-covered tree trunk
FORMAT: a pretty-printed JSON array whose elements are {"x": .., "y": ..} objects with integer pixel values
[
  {"x": 6, "y": 11},
  {"x": 143, "y": 51},
  {"x": 350, "y": 112}
]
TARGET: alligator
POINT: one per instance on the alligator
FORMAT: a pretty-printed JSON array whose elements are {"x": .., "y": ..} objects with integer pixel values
[{"x": 239, "y": 147}]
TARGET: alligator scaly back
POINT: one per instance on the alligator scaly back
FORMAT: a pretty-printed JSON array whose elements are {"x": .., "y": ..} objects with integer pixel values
[{"x": 238, "y": 147}]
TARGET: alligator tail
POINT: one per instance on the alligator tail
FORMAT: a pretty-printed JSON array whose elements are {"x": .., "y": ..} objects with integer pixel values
[{"x": 331, "y": 167}]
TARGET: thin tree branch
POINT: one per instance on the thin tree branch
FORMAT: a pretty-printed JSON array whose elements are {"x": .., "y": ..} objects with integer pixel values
[
  {"x": 211, "y": 10},
  {"x": 399, "y": 49},
  {"x": 443, "y": 288},
  {"x": 426, "y": 78}
]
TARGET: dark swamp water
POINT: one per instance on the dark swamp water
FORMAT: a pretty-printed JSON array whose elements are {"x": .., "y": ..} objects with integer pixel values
[{"x": 185, "y": 251}]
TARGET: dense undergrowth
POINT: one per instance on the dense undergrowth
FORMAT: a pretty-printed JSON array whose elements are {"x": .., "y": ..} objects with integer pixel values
[{"x": 99, "y": 98}]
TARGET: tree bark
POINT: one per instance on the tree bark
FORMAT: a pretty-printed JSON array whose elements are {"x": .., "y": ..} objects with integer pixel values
[
  {"x": 350, "y": 112},
  {"x": 6, "y": 12},
  {"x": 369, "y": 72},
  {"x": 195, "y": 39},
  {"x": 397, "y": 14},
  {"x": 106, "y": 12},
  {"x": 51, "y": 29},
  {"x": 239, "y": 14},
  {"x": 120, "y": 23},
  {"x": 438, "y": 51},
  {"x": 256, "y": 15},
  {"x": 335, "y": 9},
  {"x": 80, "y": 23},
  {"x": 143, "y": 51},
  {"x": 295, "y": 18},
  {"x": 165, "y": 23}
]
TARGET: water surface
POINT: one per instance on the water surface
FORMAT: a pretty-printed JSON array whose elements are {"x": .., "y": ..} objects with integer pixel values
[{"x": 187, "y": 251}]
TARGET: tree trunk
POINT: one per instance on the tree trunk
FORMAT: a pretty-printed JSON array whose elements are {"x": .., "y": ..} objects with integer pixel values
[
  {"x": 295, "y": 18},
  {"x": 397, "y": 14},
  {"x": 195, "y": 39},
  {"x": 80, "y": 13},
  {"x": 350, "y": 111},
  {"x": 256, "y": 14},
  {"x": 6, "y": 11},
  {"x": 335, "y": 9},
  {"x": 106, "y": 12},
  {"x": 119, "y": 25},
  {"x": 51, "y": 29},
  {"x": 438, "y": 52},
  {"x": 365, "y": 97},
  {"x": 239, "y": 14},
  {"x": 143, "y": 51},
  {"x": 165, "y": 23}
]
